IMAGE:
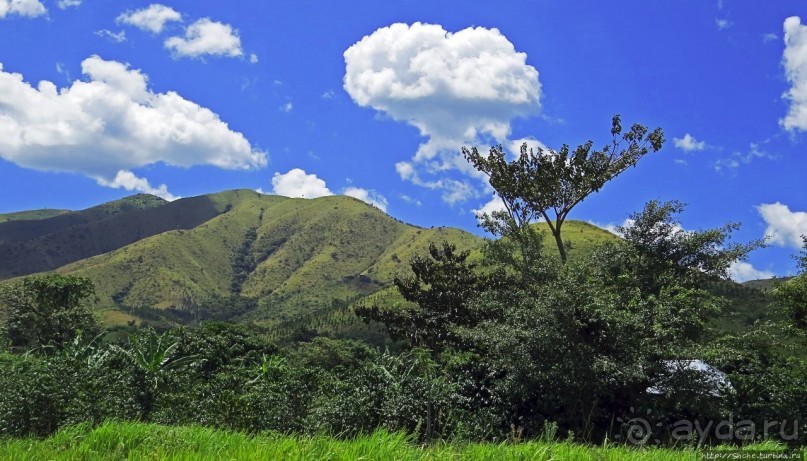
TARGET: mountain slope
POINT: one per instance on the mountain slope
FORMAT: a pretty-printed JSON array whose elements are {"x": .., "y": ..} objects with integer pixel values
[
  {"x": 31, "y": 215},
  {"x": 46, "y": 244},
  {"x": 288, "y": 255},
  {"x": 287, "y": 263}
]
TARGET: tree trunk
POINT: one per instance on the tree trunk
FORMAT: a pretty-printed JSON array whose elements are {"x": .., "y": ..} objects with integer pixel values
[{"x": 559, "y": 242}]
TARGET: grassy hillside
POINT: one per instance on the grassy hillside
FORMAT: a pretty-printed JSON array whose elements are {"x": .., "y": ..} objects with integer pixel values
[
  {"x": 579, "y": 237},
  {"x": 31, "y": 215},
  {"x": 150, "y": 441},
  {"x": 765, "y": 284},
  {"x": 291, "y": 256},
  {"x": 292, "y": 264}
]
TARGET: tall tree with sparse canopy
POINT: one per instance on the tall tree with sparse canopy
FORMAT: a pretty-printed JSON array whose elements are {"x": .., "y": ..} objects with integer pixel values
[{"x": 548, "y": 184}]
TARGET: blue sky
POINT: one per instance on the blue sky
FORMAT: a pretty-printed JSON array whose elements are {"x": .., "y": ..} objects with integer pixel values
[{"x": 99, "y": 100}]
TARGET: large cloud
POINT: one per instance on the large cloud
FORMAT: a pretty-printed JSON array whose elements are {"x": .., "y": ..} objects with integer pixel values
[
  {"x": 112, "y": 123},
  {"x": 299, "y": 184},
  {"x": 152, "y": 19},
  {"x": 206, "y": 37},
  {"x": 455, "y": 88},
  {"x": 794, "y": 60},
  {"x": 785, "y": 227},
  {"x": 29, "y": 8}
]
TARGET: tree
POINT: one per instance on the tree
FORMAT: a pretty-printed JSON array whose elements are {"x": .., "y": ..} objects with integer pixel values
[
  {"x": 153, "y": 356},
  {"x": 586, "y": 343},
  {"x": 441, "y": 287},
  {"x": 548, "y": 184},
  {"x": 47, "y": 309},
  {"x": 664, "y": 254},
  {"x": 792, "y": 294}
]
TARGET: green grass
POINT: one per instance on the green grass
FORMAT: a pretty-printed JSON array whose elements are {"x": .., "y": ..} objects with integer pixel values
[{"x": 136, "y": 441}]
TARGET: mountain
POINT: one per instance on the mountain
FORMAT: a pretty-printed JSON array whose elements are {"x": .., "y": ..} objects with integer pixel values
[
  {"x": 29, "y": 246},
  {"x": 286, "y": 256},
  {"x": 289, "y": 264},
  {"x": 31, "y": 215}
]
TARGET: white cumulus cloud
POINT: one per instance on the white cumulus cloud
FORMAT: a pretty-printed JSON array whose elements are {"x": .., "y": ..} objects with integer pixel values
[
  {"x": 613, "y": 227},
  {"x": 741, "y": 271},
  {"x": 152, "y": 19},
  {"x": 794, "y": 60},
  {"x": 368, "y": 196},
  {"x": 514, "y": 146},
  {"x": 112, "y": 123},
  {"x": 28, "y": 8},
  {"x": 688, "y": 143},
  {"x": 785, "y": 227},
  {"x": 206, "y": 37},
  {"x": 494, "y": 204},
  {"x": 129, "y": 181},
  {"x": 456, "y": 88},
  {"x": 296, "y": 183}
]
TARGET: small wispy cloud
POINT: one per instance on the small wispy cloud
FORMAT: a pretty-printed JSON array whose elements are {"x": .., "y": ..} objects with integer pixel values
[
  {"x": 723, "y": 24},
  {"x": 411, "y": 200},
  {"x": 286, "y": 107},
  {"x": 738, "y": 159},
  {"x": 65, "y": 4},
  {"x": 689, "y": 144},
  {"x": 62, "y": 70},
  {"x": 119, "y": 37}
]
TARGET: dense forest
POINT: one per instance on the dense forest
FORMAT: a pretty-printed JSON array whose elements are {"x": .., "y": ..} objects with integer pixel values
[{"x": 623, "y": 342}]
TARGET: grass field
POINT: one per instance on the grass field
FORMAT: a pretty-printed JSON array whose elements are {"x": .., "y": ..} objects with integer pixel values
[{"x": 135, "y": 441}]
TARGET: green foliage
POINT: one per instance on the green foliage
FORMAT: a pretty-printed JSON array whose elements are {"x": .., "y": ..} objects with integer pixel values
[
  {"x": 503, "y": 344},
  {"x": 539, "y": 183},
  {"x": 666, "y": 254},
  {"x": 440, "y": 289},
  {"x": 46, "y": 310},
  {"x": 577, "y": 343},
  {"x": 30, "y": 396},
  {"x": 792, "y": 294}
]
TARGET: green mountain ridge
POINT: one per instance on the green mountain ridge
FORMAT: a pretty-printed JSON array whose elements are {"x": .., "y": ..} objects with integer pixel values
[
  {"x": 43, "y": 213},
  {"x": 288, "y": 256},
  {"x": 281, "y": 261}
]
